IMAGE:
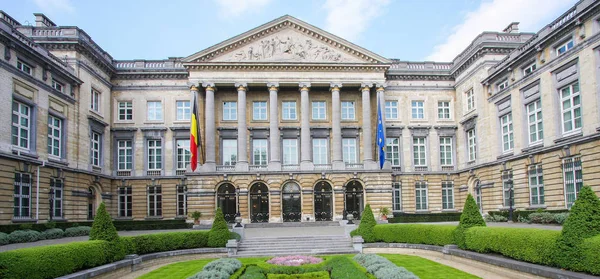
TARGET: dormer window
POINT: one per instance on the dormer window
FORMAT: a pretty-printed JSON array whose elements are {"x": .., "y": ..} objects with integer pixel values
[
  {"x": 560, "y": 49},
  {"x": 502, "y": 85},
  {"x": 529, "y": 69},
  {"x": 24, "y": 67}
]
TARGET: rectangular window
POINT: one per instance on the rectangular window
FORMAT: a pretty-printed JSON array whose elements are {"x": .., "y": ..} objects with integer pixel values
[
  {"x": 392, "y": 153},
  {"x": 96, "y": 149},
  {"x": 181, "y": 200},
  {"x": 319, "y": 111},
  {"x": 56, "y": 188},
  {"x": 507, "y": 132},
  {"x": 507, "y": 188},
  {"x": 470, "y": 98},
  {"x": 290, "y": 151},
  {"x": 229, "y": 110},
  {"x": 155, "y": 111},
  {"x": 184, "y": 110},
  {"x": 418, "y": 109},
  {"x": 289, "y": 111},
  {"x": 125, "y": 202},
  {"x": 573, "y": 178},
  {"x": 501, "y": 85},
  {"x": 55, "y": 134},
  {"x": 472, "y": 145},
  {"x": 348, "y": 112},
  {"x": 154, "y": 154},
  {"x": 564, "y": 47},
  {"x": 154, "y": 201},
  {"x": 447, "y": 195},
  {"x": 24, "y": 67},
  {"x": 21, "y": 123},
  {"x": 259, "y": 152},
  {"x": 397, "y": 196},
  {"x": 570, "y": 108},
  {"x": 419, "y": 153},
  {"x": 320, "y": 151},
  {"x": 259, "y": 111},
  {"x": 446, "y": 151},
  {"x": 529, "y": 69},
  {"x": 58, "y": 86},
  {"x": 95, "y": 100},
  {"x": 349, "y": 150},
  {"x": 126, "y": 111},
  {"x": 534, "y": 119},
  {"x": 391, "y": 109},
  {"x": 124, "y": 155},
  {"x": 183, "y": 153},
  {"x": 444, "y": 110},
  {"x": 229, "y": 152},
  {"x": 22, "y": 195},
  {"x": 536, "y": 184},
  {"x": 421, "y": 195}
]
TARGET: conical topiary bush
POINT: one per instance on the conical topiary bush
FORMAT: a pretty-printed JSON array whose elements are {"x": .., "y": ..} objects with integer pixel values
[
  {"x": 219, "y": 232},
  {"x": 470, "y": 217},
  {"x": 103, "y": 227},
  {"x": 367, "y": 223}
]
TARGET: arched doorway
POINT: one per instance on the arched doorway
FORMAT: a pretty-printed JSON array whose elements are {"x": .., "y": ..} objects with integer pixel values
[
  {"x": 226, "y": 200},
  {"x": 353, "y": 196},
  {"x": 291, "y": 203},
  {"x": 323, "y": 201},
  {"x": 259, "y": 203}
]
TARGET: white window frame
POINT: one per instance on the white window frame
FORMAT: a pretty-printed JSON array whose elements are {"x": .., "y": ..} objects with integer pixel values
[
  {"x": 536, "y": 182},
  {"x": 95, "y": 100},
  {"x": 319, "y": 110},
  {"x": 529, "y": 69},
  {"x": 125, "y": 202},
  {"x": 506, "y": 129},
  {"x": 259, "y": 111},
  {"x": 59, "y": 86},
  {"x": 20, "y": 196},
  {"x": 22, "y": 131},
  {"x": 24, "y": 67},
  {"x": 507, "y": 185},
  {"x": 229, "y": 149},
  {"x": 350, "y": 150},
  {"x": 348, "y": 110},
  {"x": 535, "y": 125},
  {"x": 446, "y": 151},
  {"x": 572, "y": 175},
  {"x": 396, "y": 196},
  {"x": 392, "y": 151},
  {"x": 391, "y": 110},
  {"x": 572, "y": 109},
  {"x": 420, "y": 148},
  {"x": 420, "y": 190},
  {"x": 444, "y": 110},
  {"x": 447, "y": 195},
  {"x": 96, "y": 149},
  {"x": 288, "y": 111},
  {"x": 154, "y": 201},
  {"x": 125, "y": 111},
  {"x": 57, "y": 185},
  {"x": 55, "y": 141},
  {"x": 320, "y": 150},
  {"x": 155, "y": 111},
  {"x": 181, "y": 201},
  {"x": 183, "y": 153},
  {"x": 290, "y": 151},
  {"x": 417, "y": 109},
  {"x": 124, "y": 160},
  {"x": 472, "y": 145},
  {"x": 230, "y": 111},
  {"x": 184, "y": 110},
  {"x": 567, "y": 45},
  {"x": 470, "y": 99},
  {"x": 260, "y": 152},
  {"x": 155, "y": 154}
]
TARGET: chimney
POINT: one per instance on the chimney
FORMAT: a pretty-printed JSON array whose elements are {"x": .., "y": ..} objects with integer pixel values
[
  {"x": 513, "y": 27},
  {"x": 42, "y": 21}
]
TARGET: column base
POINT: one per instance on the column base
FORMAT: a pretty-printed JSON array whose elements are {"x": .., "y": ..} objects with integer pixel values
[
  {"x": 371, "y": 165},
  {"x": 307, "y": 166},
  {"x": 338, "y": 165},
  {"x": 209, "y": 167},
  {"x": 241, "y": 166},
  {"x": 274, "y": 166}
]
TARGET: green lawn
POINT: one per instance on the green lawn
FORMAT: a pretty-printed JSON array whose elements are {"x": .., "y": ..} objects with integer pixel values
[{"x": 423, "y": 268}]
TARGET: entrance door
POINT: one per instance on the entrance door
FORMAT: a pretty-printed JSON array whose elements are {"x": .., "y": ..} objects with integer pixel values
[
  {"x": 226, "y": 200},
  {"x": 259, "y": 203},
  {"x": 323, "y": 201},
  {"x": 354, "y": 199},
  {"x": 292, "y": 208}
]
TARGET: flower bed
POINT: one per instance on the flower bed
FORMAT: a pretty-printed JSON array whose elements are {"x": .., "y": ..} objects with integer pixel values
[{"x": 294, "y": 260}]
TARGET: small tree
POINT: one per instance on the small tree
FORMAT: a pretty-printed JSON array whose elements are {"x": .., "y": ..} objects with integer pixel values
[
  {"x": 219, "y": 232},
  {"x": 103, "y": 227},
  {"x": 367, "y": 223},
  {"x": 470, "y": 217},
  {"x": 583, "y": 222}
]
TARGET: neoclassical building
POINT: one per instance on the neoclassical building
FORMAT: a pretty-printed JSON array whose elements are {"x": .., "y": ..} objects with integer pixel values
[{"x": 288, "y": 122}]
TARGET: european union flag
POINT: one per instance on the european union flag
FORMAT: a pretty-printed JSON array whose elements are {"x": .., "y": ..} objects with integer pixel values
[{"x": 380, "y": 136}]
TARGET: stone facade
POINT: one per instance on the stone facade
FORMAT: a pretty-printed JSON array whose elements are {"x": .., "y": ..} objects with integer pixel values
[{"x": 514, "y": 120}]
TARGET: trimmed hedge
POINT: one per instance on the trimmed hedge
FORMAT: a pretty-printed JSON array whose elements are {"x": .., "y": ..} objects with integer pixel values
[
  {"x": 121, "y": 225},
  {"x": 78, "y": 231},
  {"x": 383, "y": 268},
  {"x": 400, "y": 217},
  {"x": 344, "y": 268},
  {"x": 23, "y": 236},
  {"x": 524, "y": 213},
  {"x": 52, "y": 234},
  {"x": 415, "y": 234},
  {"x": 530, "y": 245},
  {"x": 221, "y": 268},
  {"x": 4, "y": 239},
  {"x": 590, "y": 255},
  {"x": 310, "y": 275},
  {"x": 160, "y": 242}
]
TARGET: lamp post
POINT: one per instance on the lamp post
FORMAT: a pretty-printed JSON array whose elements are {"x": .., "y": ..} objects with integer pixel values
[
  {"x": 51, "y": 201},
  {"x": 238, "y": 216},
  {"x": 510, "y": 200},
  {"x": 344, "y": 199}
]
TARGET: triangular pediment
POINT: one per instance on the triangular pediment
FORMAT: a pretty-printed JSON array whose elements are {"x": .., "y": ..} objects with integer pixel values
[{"x": 286, "y": 40}]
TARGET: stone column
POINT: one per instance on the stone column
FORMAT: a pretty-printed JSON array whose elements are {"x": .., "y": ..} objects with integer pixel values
[
  {"x": 381, "y": 99},
  {"x": 274, "y": 140},
  {"x": 209, "y": 128},
  {"x": 305, "y": 150},
  {"x": 336, "y": 115},
  {"x": 242, "y": 129},
  {"x": 367, "y": 132}
]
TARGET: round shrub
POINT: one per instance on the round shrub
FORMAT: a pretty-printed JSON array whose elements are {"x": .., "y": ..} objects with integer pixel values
[
  {"x": 560, "y": 218},
  {"x": 78, "y": 231},
  {"x": 367, "y": 223},
  {"x": 103, "y": 227},
  {"x": 4, "y": 239},
  {"x": 470, "y": 217},
  {"x": 219, "y": 232},
  {"x": 541, "y": 218},
  {"x": 52, "y": 234},
  {"x": 23, "y": 236}
]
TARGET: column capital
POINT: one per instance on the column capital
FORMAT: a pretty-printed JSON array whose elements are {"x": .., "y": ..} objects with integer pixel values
[
  {"x": 193, "y": 88},
  {"x": 380, "y": 86},
  {"x": 273, "y": 86},
  {"x": 304, "y": 86},
  {"x": 335, "y": 86},
  {"x": 366, "y": 86},
  {"x": 241, "y": 86},
  {"x": 210, "y": 86}
]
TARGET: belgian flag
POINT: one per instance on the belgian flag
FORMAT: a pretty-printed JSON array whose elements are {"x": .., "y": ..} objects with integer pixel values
[{"x": 195, "y": 137}]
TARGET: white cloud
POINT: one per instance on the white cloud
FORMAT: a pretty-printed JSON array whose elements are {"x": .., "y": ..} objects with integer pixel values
[
  {"x": 350, "y": 18},
  {"x": 55, "y": 6},
  {"x": 495, "y": 15},
  {"x": 232, "y": 8}
]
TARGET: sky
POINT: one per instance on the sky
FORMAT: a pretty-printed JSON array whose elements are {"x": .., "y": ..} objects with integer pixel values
[{"x": 412, "y": 30}]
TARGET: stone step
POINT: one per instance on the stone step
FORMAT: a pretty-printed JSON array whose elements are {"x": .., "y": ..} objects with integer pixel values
[
  {"x": 296, "y": 252},
  {"x": 293, "y": 240},
  {"x": 307, "y": 238},
  {"x": 293, "y": 224},
  {"x": 295, "y": 244}
]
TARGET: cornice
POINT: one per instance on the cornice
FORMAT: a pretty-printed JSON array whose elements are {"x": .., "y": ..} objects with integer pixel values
[
  {"x": 81, "y": 47},
  {"x": 151, "y": 75},
  {"x": 289, "y": 67}
]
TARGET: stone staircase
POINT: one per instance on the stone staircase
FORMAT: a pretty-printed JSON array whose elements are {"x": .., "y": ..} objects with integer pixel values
[{"x": 295, "y": 245}]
